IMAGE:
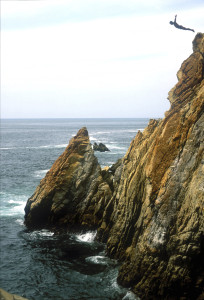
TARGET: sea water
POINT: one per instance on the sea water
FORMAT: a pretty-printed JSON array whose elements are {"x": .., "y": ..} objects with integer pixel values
[{"x": 38, "y": 264}]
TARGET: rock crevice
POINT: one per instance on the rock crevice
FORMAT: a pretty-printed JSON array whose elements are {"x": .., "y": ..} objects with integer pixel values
[{"x": 149, "y": 206}]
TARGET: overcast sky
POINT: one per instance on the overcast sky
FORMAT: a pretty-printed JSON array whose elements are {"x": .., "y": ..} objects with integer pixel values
[{"x": 93, "y": 58}]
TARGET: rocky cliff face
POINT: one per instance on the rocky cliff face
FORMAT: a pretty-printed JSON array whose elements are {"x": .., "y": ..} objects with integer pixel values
[
  {"x": 149, "y": 207},
  {"x": 157, "y": 210}
]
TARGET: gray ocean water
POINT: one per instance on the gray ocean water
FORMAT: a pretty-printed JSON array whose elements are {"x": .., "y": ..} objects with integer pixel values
[{"x": 38, "y": 264}]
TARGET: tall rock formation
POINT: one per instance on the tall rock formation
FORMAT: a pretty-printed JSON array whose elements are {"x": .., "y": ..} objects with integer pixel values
[
  {"x": 73, "y": 193},
  {"x": 156, "y": 223},
  {"x": 149, "y": 206}
]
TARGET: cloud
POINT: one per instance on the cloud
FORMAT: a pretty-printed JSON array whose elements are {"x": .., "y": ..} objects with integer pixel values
[
  {"x": 108, "y": 63},
  {"x": 31, "y": 14}
]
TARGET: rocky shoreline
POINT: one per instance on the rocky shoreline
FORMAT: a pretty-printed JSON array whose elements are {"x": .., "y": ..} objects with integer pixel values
[{"x": 148, "y": 207}]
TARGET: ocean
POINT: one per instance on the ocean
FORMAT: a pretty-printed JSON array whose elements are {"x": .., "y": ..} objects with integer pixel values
[{"x": 38, "y": 264}]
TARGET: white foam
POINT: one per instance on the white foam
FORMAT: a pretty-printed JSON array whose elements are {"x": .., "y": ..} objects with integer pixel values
[
  {"x": 87, "y": 237},
  {"x": 103, "y": 132},
  {"x": 130, "y": 296},
  {"x": 12, "y": 201},
  {"x": 20, "y": 221},
  {"x": 17, "y": 206},
  {"x": 40, "y": 173},
  {"x": 41, "y": 233},
  {"x": 116, "y": 147},
  {"x": 98, "y": 259},
  {"x": 92, "y": 138},
  {"x": 44, "y": 147},
  {"x": 60, "y": 146},
  {"x": 51, "y": 146},
  {"x": 16, "y": 210},
  {"x": 45, "y": 232}
]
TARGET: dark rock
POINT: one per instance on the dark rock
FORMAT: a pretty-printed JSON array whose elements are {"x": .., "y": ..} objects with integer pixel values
[
  {"x": 73, "y": 192},
  {"x": 148, "y": 207},
  {"x": 154, "y": 221},
  {"x": 100, "y": 147}
]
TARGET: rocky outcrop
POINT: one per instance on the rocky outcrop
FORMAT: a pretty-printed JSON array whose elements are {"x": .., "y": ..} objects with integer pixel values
[
  {"x": 154, "y": 222},
  {"x": 100, "y": 147},
  {"x": 7, "y": 296},
  {"x": 149, "y": 206},
  {"x": 73, "y": 193}
]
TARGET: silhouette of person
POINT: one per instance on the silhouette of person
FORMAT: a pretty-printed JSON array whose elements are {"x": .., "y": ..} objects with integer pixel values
[{"x": 179, "y": 26}]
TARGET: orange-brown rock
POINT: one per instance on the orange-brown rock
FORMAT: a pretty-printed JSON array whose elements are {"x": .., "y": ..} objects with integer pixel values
[
  {"x": 156, "y": 224},
  {"x": 149, "y": 206},
  {"x": 73, "y": 192}
]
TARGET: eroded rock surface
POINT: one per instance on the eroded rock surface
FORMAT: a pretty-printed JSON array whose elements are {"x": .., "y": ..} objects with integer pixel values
[
  {"x": 156, "y": 223},
  {"x": 149, "y": 206},
  {"x": 73, "y": 192}
]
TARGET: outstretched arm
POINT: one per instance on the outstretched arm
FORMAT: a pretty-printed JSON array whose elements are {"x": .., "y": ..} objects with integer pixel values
[{"x": 175, "y": 19}]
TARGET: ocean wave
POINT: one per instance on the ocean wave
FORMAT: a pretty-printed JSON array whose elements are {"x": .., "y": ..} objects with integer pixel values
[
  {"x": 132, "y": 130},
  {"x": 44, "y": 232},
  {"x": 111, "y": 146},
  {"x": 12, "y": 205},
  {"x": 98, "y": 259},
  {"x": 38, "y": 234},
  {"x": 92, "y": 138},
  {"x": 87, "y": 237},
  {"x": 103, "y": 132},
  {"x": 48, "y": 146},
  {"x": 130, "y": 296},
  {"x": 20, "y": 221},
  {"x": 36, "y": 147},
  {"x": 40, "y": 173},
  {"x": 13, "y": 211},
  {"x": 60, "y": 146},
  {"x": 53, "y": 146},
  {"x": 110, "y": 163}
]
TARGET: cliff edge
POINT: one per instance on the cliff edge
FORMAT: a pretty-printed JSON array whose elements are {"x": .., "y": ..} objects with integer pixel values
[
  {"x": 156, "y": 223},
  {"x": 149, "y": 206}
]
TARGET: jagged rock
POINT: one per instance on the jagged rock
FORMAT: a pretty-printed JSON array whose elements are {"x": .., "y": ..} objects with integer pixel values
[
  {"x": 155, "y": 219},
  {"x": 100, "y": 147},
  {"x": 7, "y": 296},
  {"x": 148, "y": 207},
  {"x": 73, "y": 192}
]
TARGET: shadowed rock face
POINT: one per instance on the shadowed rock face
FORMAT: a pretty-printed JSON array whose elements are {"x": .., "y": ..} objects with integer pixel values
[
  {"x": 149, "y": 206},
  {"x": 156, "y": 222},
  {"x": 73, "y": 192},
  {"x": 101, "y": 147}
]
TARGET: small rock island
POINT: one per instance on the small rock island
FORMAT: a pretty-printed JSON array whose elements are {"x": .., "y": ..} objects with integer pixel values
[
  {"x": 100, "y": 147},
  {"x": 149, "y": 207}
]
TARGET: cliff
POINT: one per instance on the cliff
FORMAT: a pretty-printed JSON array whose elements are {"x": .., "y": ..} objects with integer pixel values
[
  {"x": 156, "y": 222},
  {"x": 149, "y": 206}
]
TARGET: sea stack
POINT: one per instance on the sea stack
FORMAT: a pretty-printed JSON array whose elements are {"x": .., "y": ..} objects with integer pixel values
[
  {"x": 73, "y": 192},
  {"x": 149, "y": 206},
  {"x": 100, "y": 147}
]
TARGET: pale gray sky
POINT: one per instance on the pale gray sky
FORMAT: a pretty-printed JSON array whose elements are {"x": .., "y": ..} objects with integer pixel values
[{"x": 88, "y": 58}]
